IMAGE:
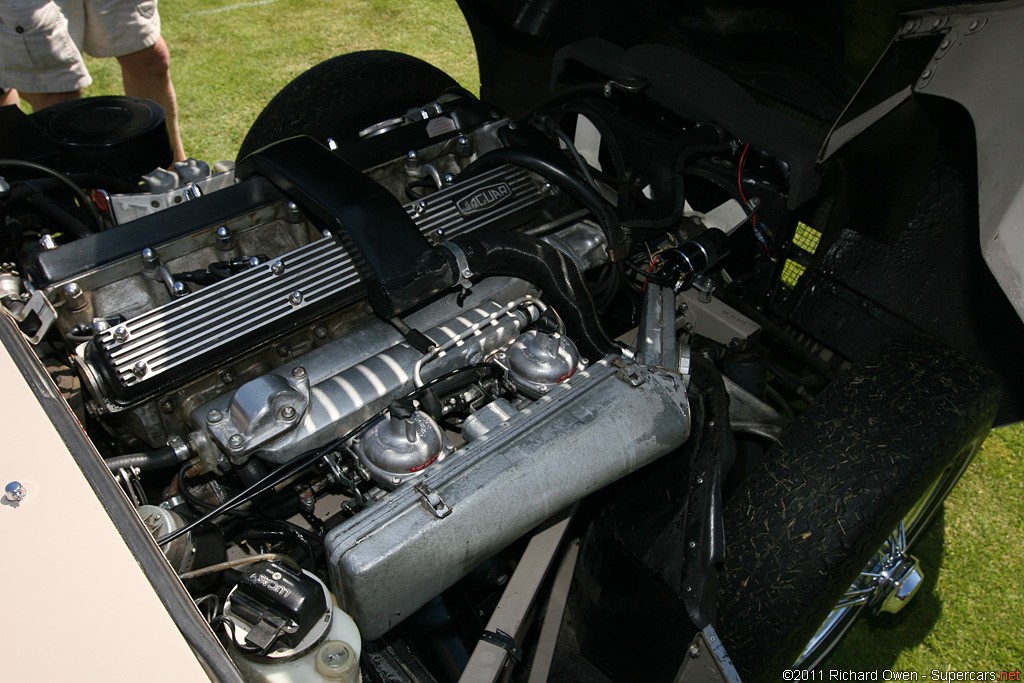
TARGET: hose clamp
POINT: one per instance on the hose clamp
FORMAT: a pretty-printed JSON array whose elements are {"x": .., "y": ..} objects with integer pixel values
[{"x": 461, "y": 263}]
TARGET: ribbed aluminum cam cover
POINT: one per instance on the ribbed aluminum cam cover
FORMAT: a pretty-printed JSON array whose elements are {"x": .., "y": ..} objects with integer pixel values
[
  {"x": 397, "y": 448},
  {"x": 174, "y": 342}
]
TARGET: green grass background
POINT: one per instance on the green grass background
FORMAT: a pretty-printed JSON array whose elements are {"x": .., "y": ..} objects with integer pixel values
[{"x": 231, "y": 56}]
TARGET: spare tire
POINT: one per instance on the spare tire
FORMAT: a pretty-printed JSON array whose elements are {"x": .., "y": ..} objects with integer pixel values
[
  {"x": 338, "y": 98},
  {"x": 843, "y": 476}
]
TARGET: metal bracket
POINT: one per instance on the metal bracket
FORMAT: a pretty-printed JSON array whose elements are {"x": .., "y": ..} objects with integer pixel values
[
  {"x": 433, "y": 501},
  {"x": 461, "y": 263},
  {"x": 706, "y": 661},
  {"x": 504, "y": 641},
  {"x": 43, "y": 310}
]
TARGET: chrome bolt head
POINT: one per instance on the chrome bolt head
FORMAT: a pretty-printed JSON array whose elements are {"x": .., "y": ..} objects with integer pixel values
[
  {"x": 277, "y": 267},
  {"x": 236, "y": 441},
  {"x": 149, "y": 256},
  {"x": 140, "y": 369},
  {"x": 299, "y": 372},
  {"x": 74, "y": 299},
  {"x": 223, "y": 233},
  {"x": 253, "y": 261},
  {"x": 295, "y": 298},
  {"x": 14, "y": 492},
  {"x": 448, "y": 179},
  {"x": 214, "y": 416},
  {"x": 179, "y": 288},
  {"x": 288, "y": 413},
  {"x": 121, "y": 333}
]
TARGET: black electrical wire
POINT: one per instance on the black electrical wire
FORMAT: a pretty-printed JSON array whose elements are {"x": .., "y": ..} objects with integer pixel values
[
  {"x": 75, "y": 189},
  {"x": 576, "y": 156}
]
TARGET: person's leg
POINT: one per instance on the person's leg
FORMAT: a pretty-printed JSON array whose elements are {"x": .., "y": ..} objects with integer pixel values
[
  {"x": 147, "y": 73},
  {"x": 42, "y": 100},
  {"x": 8, "y": 97},
  {"x": 38, "y": 57}
]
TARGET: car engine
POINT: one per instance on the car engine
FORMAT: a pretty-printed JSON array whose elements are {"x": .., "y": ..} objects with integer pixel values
[{"x": 376, "y": 366}]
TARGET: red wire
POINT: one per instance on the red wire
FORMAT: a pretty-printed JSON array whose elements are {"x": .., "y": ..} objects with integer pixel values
[{"x": 739, "y": 181}]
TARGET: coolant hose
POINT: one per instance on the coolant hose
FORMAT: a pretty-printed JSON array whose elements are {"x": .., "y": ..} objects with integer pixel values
[
  {"x": 152, "y": 460},
  {"x": 557, "y": 276},
  {"x": 616, "y": 235}
]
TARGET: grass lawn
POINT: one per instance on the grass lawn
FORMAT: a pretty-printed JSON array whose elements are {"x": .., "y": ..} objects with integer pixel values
[{"x": 231, "y": 56}]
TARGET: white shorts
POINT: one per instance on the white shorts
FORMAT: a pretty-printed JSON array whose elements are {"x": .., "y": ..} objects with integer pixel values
[{"x": 42, "y": 41}]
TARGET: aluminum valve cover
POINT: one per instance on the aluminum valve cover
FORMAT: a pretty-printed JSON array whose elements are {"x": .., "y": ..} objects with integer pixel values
[{"x": 177, "y": 341}]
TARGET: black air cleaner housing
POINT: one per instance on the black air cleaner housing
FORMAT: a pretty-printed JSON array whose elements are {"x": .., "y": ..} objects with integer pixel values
[{"x": 119, "y": 136}]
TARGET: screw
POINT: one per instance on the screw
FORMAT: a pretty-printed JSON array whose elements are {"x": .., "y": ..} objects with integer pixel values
[
  {"x": 547, "y": 188},
  {"x": 14, "y": 491},
  {"x": 448, "y": 179},
  {"x": 694, "y": 651},
  {"x": 236, "y": 441},
  {"x": 225, "y": 240},
  {"x": 294, "y": 213},
  {"x": 167, "y": 406},
  {"x": 277, "y": 268},
  {"x": 283, "y": 351},
  {"x": 439, "y": 232},
  {"x": 121, "y": 333},
  {"x": 149, "y": 256},
  {"x": 180, "y": 289},
  {"x": 927, "y": 73},
  {"x": 227, "y": 377},
  {"x": 411, "y": 155},
  {"x": 253, "y": 261},
  {"x": 140, "y": 369},
  {"x": 288, "y": 413},
  {"x": 214, "y": 416},
  {"x": 973, "y": 25},
  {"x": 299, "y": 372},
  {"x": 320, "y": 331},
  {"x": 46, "y": 243},
  {"x": 945, "y": 44},
  {"x": 421, "y": 207},
  {"x": 467, "y": 273},
  {"x": 463, "y": 147},
  {"x": 295, "y": 298}
]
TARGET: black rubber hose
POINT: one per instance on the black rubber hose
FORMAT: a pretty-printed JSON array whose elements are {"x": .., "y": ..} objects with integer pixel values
[
  {"x": 75, "y": 189},
  {"x": 56, "y": 214},
  {"x": 153, "y": 460},
  {"x": 616, "y": 235},
  {"x": 521, "y": 256}
]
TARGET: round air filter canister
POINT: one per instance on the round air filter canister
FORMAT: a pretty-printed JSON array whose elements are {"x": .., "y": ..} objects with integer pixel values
[{"x": 123, "y": 137}]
